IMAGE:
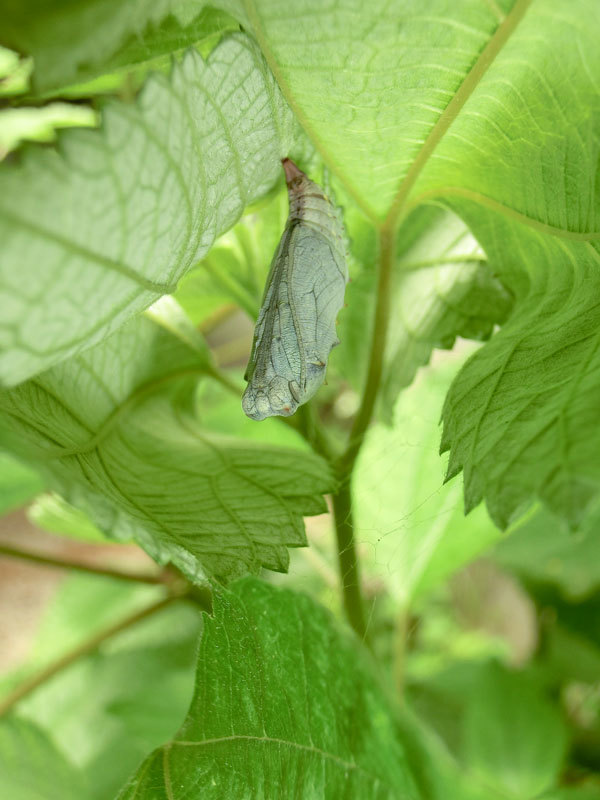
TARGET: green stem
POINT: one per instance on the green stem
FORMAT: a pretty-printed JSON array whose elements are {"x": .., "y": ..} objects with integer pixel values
[
  {"x": 84, "y": 649},
  {"x": 342, "y": 501},
  {"x": 378, "y": 340},
  {"x": 348, "y": 561},
  {"x": 159, "y": 578},
  {"x": 313, "y": 431}
]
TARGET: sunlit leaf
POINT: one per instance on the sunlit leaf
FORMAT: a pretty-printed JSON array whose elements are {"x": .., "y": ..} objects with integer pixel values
[
  {"x": 237, "y": 266},
  {"x": 369, "y": 84},
  {"x": 118, "y": 215},
  {"x": 52, "y": 513},
  {"x": 443, "y": 288},
  {"x": 40, "y": 124}
]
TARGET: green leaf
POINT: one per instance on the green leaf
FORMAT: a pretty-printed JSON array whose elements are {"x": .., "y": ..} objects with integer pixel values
[
  {"x": 14, "y": 73},
  {"x": 522, "y": 417},
  {"x": 18, "y": 483},
  {"x": 414, "y": 524},
  {"x": 514, "y": 739},
  {"x": 436, "y": 772},
  {"x": 285, "y": 706},
  {"x": 118, "y": 215},
  {"x": 103, "y": 35},
  {"x": 116, "y": 431},
  {"x": 31, "y": 765},
  {"x": 445, "y": 290},
  {"x": 370, "y": 86},
  {"x": 542, "y": 547}
]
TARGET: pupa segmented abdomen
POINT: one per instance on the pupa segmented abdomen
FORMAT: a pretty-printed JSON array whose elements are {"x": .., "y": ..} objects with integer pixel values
[{"x": 295, "y": 330}]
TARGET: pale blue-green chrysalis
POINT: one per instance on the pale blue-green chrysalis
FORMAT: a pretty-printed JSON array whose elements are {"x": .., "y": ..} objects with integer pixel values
[{"x": 295, "y": 330}]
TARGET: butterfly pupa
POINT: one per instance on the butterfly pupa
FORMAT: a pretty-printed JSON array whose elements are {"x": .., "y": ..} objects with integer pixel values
[{"x": 295, "y": 330}]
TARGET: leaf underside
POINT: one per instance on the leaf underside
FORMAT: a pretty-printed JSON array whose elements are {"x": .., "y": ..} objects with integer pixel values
[
  {"x": 114, "y": 432},
  {"x": 118, "y": 215}
]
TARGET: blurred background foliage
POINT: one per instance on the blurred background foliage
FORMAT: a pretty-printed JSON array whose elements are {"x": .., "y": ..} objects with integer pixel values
[{"x": 492, "y": 639}]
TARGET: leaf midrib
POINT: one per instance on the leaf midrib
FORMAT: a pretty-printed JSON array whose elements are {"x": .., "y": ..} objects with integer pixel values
[
  {"x": 449, "y": 114},
  {"x": 504, "y": 210},
  {"x": 466, "y": 89},
  {"x": 346, "y": 765}
]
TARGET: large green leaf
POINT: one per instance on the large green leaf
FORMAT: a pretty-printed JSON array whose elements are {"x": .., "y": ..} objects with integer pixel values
[
  {"x": 522, "y": 417},
  {"x": 369, "y": 84},
  {"x": 284, "y": 707},
  {"x": 114, "y": 431},
  {"x": 118, "y": 215},
  {"x": 31, "y": 766},
  {"x": 414, "y": 526}
]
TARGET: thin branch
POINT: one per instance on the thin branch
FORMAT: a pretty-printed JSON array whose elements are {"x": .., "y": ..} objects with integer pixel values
[
  {"x": 159, "y": 578},
  {"x": 84, "y": 649}
]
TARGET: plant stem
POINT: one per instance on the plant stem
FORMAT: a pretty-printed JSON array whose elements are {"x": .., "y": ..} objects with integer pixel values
[
  {"x": 342, "y": 501},
  {"x": 49, "y": 561},
  {"x": 313, "y": 431},
  {"x": 378, "y": 340},
  {"x": 84, "y": 649},
  {"x": 348, "y": 561}
]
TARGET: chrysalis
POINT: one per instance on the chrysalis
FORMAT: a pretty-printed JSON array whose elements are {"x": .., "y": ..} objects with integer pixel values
[{"x": 295, "y": 330}]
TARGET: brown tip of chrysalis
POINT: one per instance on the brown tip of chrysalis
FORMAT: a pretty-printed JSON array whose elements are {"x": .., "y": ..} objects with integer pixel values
[{"x": 291, "y": 170}]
